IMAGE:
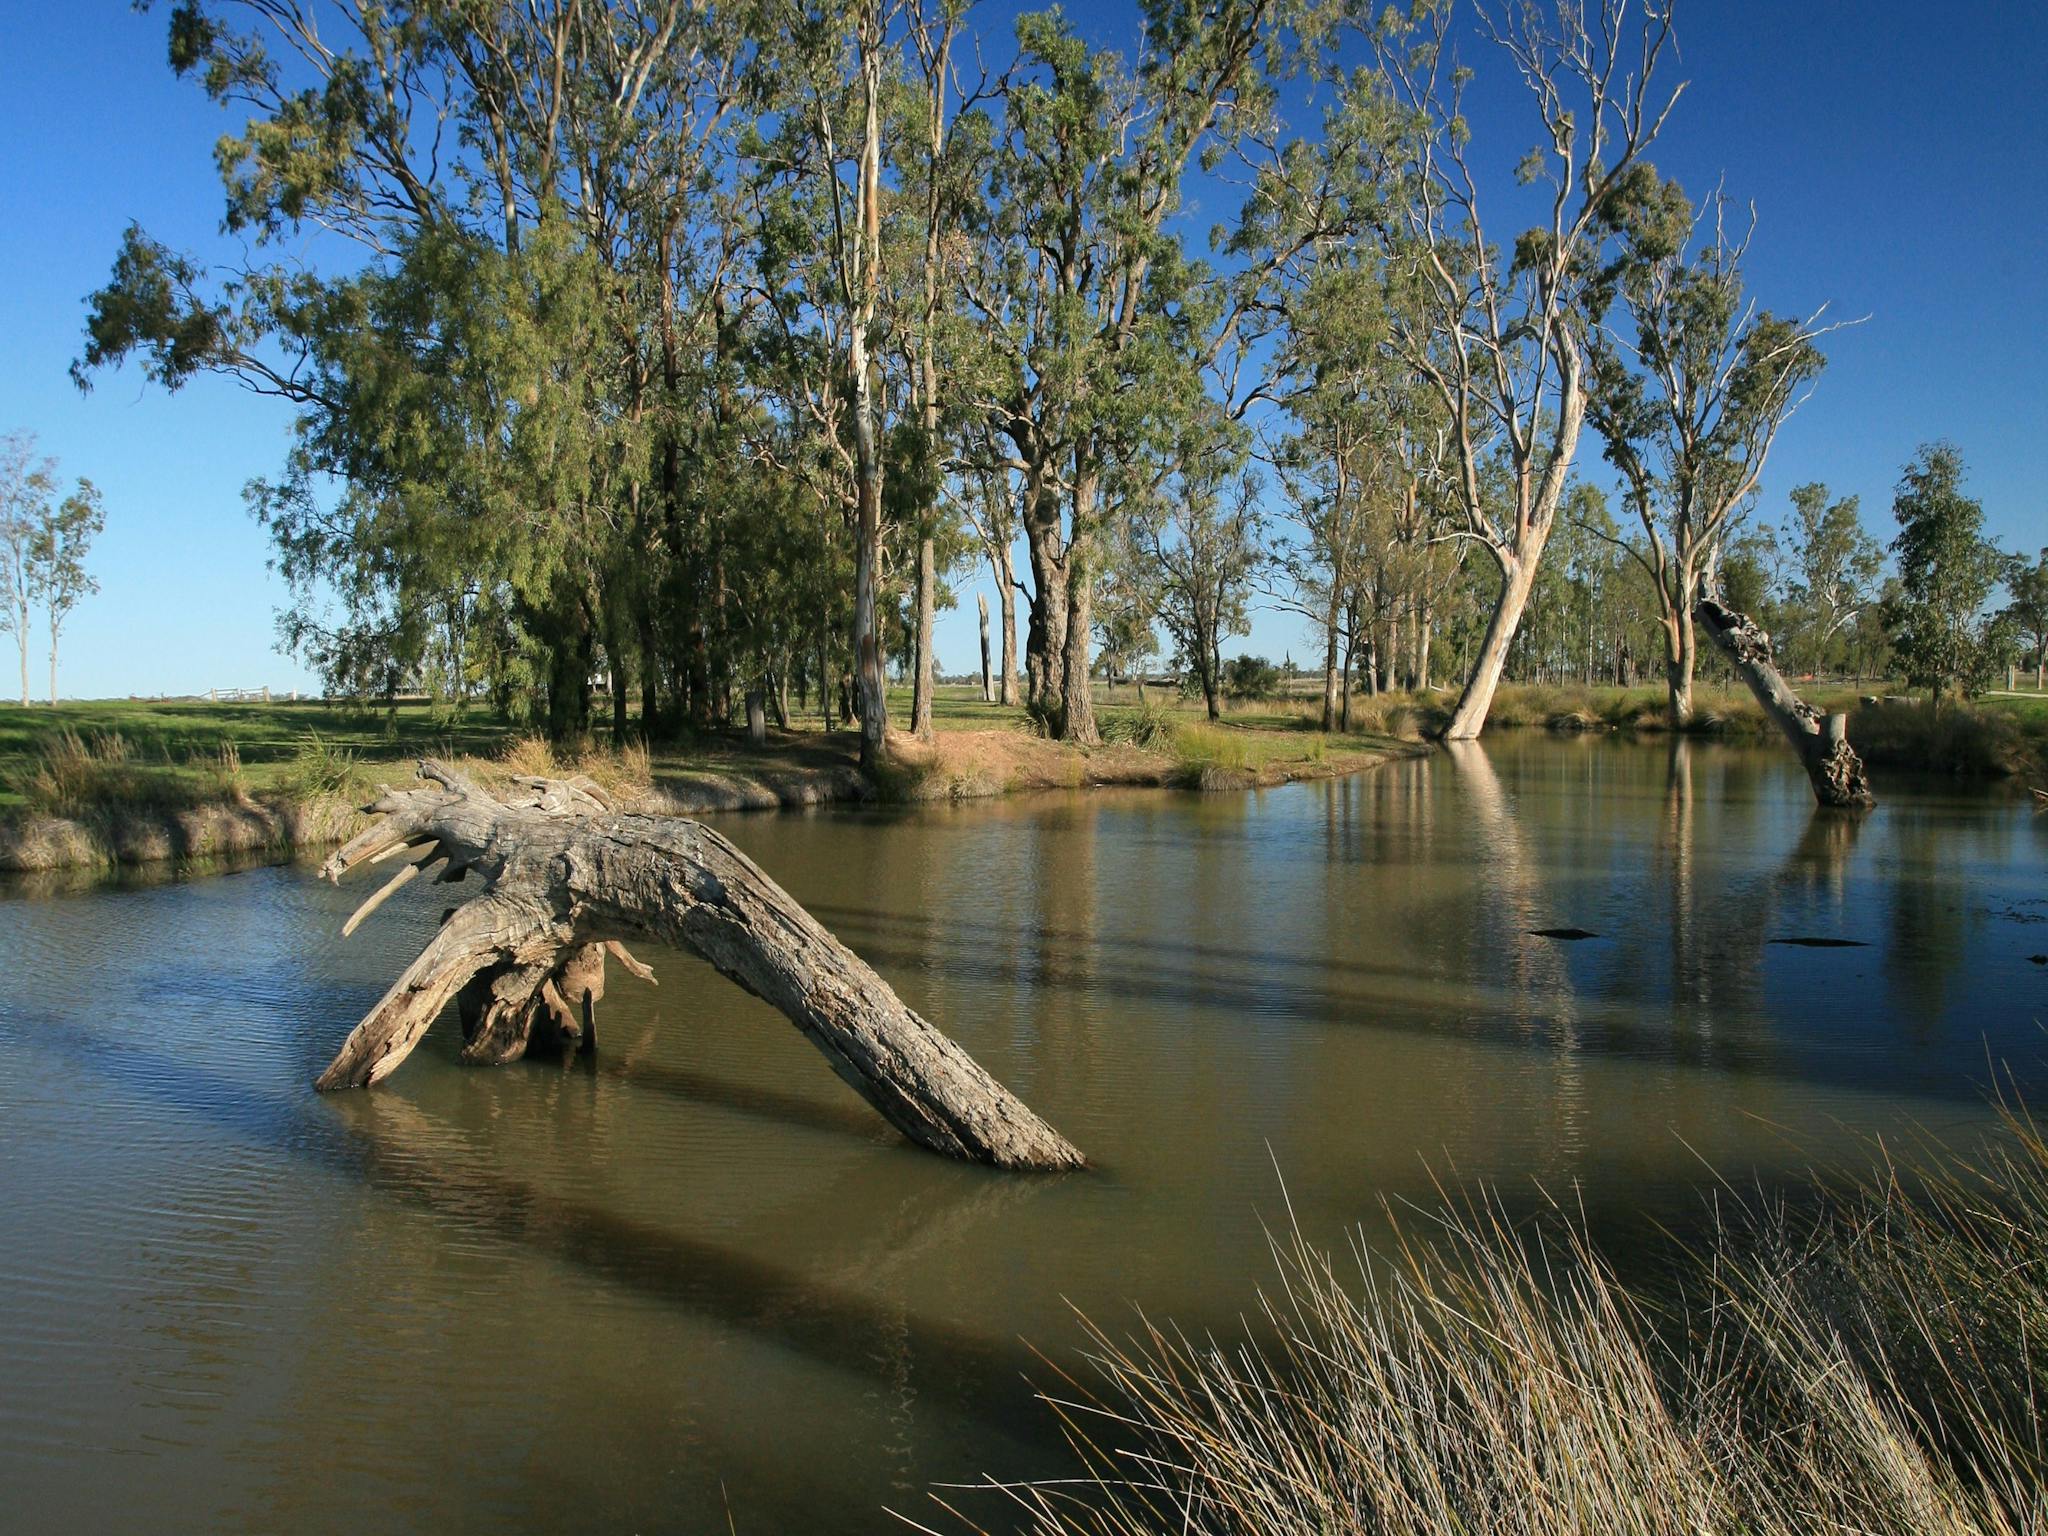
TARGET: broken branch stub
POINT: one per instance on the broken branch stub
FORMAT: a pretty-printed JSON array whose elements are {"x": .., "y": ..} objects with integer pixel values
[
  {"x": 1821, "y": 740},
  {"x": 565, "y": 880}
]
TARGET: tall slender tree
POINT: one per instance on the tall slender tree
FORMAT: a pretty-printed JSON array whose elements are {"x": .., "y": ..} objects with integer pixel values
[
  {"x": 1942, "y": 631},
  {"x": 1835, "y": 570},
  {"x": 57, "y": 573},
  {"x": 1500, "y": 334},
  {"x": 2027, "y": 586},
  {"x": 1691, "y": 402},
  {"x": 28, "y": 482}
]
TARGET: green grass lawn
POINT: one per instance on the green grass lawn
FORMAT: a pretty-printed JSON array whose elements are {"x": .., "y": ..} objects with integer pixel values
[{"x": 180, "y": 742}]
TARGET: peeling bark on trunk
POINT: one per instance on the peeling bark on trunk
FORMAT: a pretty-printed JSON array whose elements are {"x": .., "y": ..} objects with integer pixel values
[
  {"x": 1075, "y": 721},
  {"x": 1821, "y": 741},
  {"x": 565, "y": 879},
  {"x": 924, "y": 673},
  {"x": 988, "y": 689}
]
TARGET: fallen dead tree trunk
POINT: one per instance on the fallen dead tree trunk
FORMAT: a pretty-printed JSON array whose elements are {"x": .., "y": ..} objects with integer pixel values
[
  {"x": 1821, "y": 740},
  {"x": 565, "y": 881}
]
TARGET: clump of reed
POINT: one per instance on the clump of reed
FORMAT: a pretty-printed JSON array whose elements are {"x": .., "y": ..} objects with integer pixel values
[
  {"x": 75, "y": 775},
  {"x": 1212, "y": 757},
  {"x": 321, "y": 769},
  {"x": 1150, "y": 727},
  {"x": 219, "y": 777},
  {"x": 1406, "y": 716},
  {"x": 1870, "y": 1365}
]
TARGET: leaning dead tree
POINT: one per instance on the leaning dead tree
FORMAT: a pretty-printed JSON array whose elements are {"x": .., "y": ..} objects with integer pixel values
[
  {"x": 566, "y": 880},
  {"x": 1821, "y": 740}
]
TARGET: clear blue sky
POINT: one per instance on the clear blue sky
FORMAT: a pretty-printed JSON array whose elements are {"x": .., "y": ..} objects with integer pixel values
[{"x": 1897, "y": 154}]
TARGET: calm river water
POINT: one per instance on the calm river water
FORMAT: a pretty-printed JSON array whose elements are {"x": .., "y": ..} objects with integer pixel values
[{"x": 700, "y": 1288}]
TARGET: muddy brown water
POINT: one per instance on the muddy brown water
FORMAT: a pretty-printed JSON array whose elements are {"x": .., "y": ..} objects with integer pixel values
[{"x": 699, "y": 1288}]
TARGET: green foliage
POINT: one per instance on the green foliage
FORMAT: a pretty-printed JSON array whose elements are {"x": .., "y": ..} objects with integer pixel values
[
  {"x": 621, "y": 387},
  {"x": 1250, "y": 677},
  {"x": 1941, "y": 632},
  {"x": 321, "y": 769}
]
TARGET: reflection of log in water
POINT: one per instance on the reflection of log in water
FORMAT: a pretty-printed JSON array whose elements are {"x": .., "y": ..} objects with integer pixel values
[
  {"x": 1821, "y": 860},
  {"x": 1717, "y": 936},
  {"x": 394, "y": 1147}
]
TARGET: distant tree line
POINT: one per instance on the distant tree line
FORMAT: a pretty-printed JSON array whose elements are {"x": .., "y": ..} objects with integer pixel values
[{"x": 700, "y": 348}]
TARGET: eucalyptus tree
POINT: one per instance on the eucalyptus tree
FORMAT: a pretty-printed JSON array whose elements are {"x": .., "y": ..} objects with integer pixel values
[
  {"x": 1942, "y": 632},
  {"x": 1076, "y": 297},
  {"x": 2027, "y": 587},
  {"x": 1834, "y": 576},
  {"x": 987, "y": 505},
  {"x": 1198, "y": 528},
  {"x": 1691, "y": 402},
  {"x": 1325, "y": 472},
  {"x": 28, "y": 484},
  {"x": 823, "y": 264},
  {"x": 57, "y": 573},
  {"x": 1500, "y": 334},
  {"x": 941, "y": 169}
]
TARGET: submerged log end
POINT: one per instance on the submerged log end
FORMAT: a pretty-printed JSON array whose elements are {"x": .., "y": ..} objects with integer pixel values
[
  {"x": 1839, "y": 780},
  {"x": 1822, "y": 741},
  {"x": 1003, "y": 1132}
]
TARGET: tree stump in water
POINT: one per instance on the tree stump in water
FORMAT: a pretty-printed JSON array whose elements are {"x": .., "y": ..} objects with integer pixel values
[
  {"x": 1821, "y": 740},
  {"x": 565, "y": 880}
]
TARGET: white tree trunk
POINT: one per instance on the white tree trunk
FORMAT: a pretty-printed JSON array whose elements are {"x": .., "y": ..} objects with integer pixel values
[{"x": 1469, "y": 718}]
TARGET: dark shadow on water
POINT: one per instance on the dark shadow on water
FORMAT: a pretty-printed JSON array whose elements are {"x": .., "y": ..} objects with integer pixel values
[
  {"x": 1502, "y": 1019},
  {"x": 748, "y": 1098}
]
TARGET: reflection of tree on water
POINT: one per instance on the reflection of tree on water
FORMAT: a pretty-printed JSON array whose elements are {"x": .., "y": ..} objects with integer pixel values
[
  {"x": 1538, "y": 972},
  {"x": 1931, "y": 914},
  {"x": 1820, "y": 864}
]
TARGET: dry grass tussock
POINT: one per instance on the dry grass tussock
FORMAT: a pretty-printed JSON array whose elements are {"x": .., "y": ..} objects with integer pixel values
[
  {"x": 77, "y": 777},
  {"x": 1868, "y": 1366},
  {"x": 624, "y": 771}
]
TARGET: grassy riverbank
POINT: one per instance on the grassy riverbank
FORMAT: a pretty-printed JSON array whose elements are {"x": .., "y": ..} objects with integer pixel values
[
  {"x": 1998, "y": 735},
  {"x": 1867, "y": 1360},
  {"x": 130, "y": 781}
]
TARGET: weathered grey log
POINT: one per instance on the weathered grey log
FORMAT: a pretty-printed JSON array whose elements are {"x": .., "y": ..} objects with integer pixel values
[
  {"x": 1821, "y": 740},
  {"x": 564, "y": 879}
]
